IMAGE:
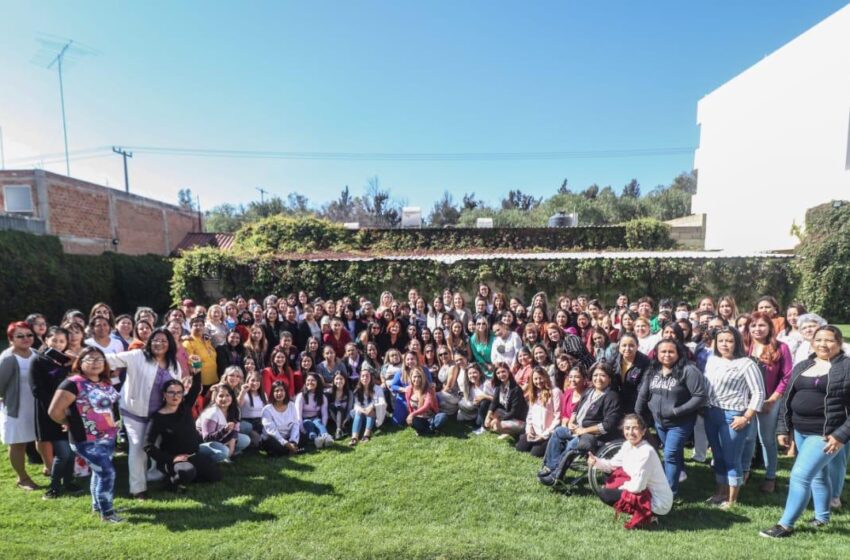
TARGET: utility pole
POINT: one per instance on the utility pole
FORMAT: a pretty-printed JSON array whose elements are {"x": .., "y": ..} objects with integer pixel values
[
  {"x": 2, "y": 152},
  {"x": 125, "y": 154},
  {"x": 58, "y": 61},
  {"x": 263, "y": 192},
  {"x": 200, "y": 223}
]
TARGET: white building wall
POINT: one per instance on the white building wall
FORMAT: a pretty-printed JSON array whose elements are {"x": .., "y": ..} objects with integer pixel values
[{"x": 775, "y": 141}]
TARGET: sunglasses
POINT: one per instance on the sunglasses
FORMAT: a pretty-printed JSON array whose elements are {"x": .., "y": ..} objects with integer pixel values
[{"x": 29, "y": 335}]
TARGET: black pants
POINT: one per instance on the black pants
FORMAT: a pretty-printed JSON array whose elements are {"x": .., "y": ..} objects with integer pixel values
[
  {"x": 272, "y": 447},
  {"x": 483, "y": 409},
  {"x": 610, "y": 495},
  {"x": 536, "y": 448},
  {"x": 198, "y": 468}
]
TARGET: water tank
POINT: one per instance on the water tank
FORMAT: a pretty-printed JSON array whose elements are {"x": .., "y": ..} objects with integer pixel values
[
  {"x": 562, "y": 219},
  {"x": 484, "y": 223},
  {"x": 411, "y": 217},
  {"x": 351, "y": 225}
]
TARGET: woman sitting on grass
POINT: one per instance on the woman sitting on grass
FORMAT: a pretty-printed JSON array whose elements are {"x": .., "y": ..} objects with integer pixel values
[
  {"x": 281, "y": 427},
  {"x": 640, "y": 472},
  {"x": 368, "y": 407},
  {"x": 544, "y": 413},
  {"x": 215, "y": 429},
  {"x": 508, "y": 408},
  {"x": 253, "y": 402},
  {"x": 339, "y": 403},
  {"x": 424, "y": 413},
  {"x": 311, "y": 406},
  {"x": 476, "y": 393}
]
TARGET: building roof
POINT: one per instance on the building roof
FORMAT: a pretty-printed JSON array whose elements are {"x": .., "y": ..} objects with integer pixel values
[{"x": 221, "y": 241}]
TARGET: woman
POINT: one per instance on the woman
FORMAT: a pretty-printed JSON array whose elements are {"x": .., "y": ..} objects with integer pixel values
[
  {"x": 257, "y": 347},
  {"x": 508, "y": 409},
  {"x": 449, "y": 388},
  {"x": 49, "y": 370},
  {"x": 215, "y": 428},
  {"x": 768, "y": 306},
  {"x": 424, "y": 414},
  {"x": 727, "y": 309},
  {"x": 816, "y": 409},
  {"x": 174, "y": 443},
  {"x": 311, "y": 407},
  {"x": 279, "y": 371},
  {"x": 17, "y": 409},
  {"x": 673, "y": 392},
  {"x": 392, "y": 338},
  {"x": 574, "y": 388},
  {"x": 807, "y": 325},
  {"x": 642, "y": 472},
  {"x": 459, "y": 311},
  {"x": 330, "y": 367},
  {"x": 646, "y": 340},
  {"x": 369, "y": 408},
  {"x": 309, "y": 328},
  {"x": 456, "y": 340},
  {"x": 400, "y": 382},
  {"x": 281, "y": 428},
  {"x": 544, "y": 413},
  {"x": 434, "y": 316},
  {"x": 339, "y": 402},
  {"x": 175, "y": 327},
  {"x": 215, "y": 327},
  {"x": 476, "y": 393},
  {"x": 231, "y": 353},
  {"x": 735, "y": 395},
  {"x": 430, "y": 358},
  {"x": 198, "y": 343},
  {"x": 790, "y": 335},
  {"x": 775, "y": 362},
  {"x": 593, "y": 421},
  {"x": 38, "y": 325},
  {"x": 271, "y": 327},
  {"x": 629, "y": 366},
  {"x": 148, "y": 370},
  {"x": 481, "y": 343},
  {"x": 141, "y": 333},
  {"x": 76, "y": 335}
]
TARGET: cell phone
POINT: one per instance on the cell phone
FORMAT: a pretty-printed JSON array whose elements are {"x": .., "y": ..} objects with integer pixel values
[{"x": 58, "y": 357}]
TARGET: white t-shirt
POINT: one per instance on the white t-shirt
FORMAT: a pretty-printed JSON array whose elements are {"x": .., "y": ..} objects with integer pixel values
[{"x": 114, "y": 347}]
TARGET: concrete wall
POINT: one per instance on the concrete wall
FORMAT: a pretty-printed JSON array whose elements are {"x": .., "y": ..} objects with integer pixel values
[
  {"x": 91, "y": 219},
  {"x": 689, "y": 231},
  {"x": 775, "y": 140}
]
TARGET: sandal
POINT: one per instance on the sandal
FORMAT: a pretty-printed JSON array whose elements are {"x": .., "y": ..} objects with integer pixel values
[
  {"x": 28, "y": 485},
  {"x": 365, "y": 439},
  {"x": 353, "y": 442}
]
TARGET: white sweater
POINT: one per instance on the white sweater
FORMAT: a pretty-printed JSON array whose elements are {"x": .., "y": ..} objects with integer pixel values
[
  {"x": 282, "y": 426},
  {"x": 642, "y": 464},
  {"x": 136, "y": 392}
]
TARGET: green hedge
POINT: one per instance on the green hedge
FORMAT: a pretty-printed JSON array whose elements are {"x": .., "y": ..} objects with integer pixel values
[
  {"x": 206, "y": 274},
  {"x": 825, "y": 261},
  {"x": 37, "y": 276},
  {"x": 283, "y": 235}
]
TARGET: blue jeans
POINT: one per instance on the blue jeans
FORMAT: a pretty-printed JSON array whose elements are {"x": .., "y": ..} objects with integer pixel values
[
  {"x": 766, "y": 422},
  {"x": 359, "y": 420},
  {"x": 810, "y": 479},
  {"x": 215, "y": 450},
  {"x": 62, "y": 469},
  {"x": 399, "y": 410},
  {"x": 674, "y": 439},
  {"x": 838, "y": 471},
  {"x": 727, "y": 445},
  {"x": 429, "y": 426},
  {"x": 98, "y": 456},
  {"x": 314, "y": 428},
  {"x": 559, "y": 443}
]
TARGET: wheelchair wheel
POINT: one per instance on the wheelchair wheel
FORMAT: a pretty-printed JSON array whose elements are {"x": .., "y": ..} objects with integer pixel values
[{"x": 596, "y": 477}]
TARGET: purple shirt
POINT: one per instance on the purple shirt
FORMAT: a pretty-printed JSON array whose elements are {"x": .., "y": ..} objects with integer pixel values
[
  {"x": 156, "y": 401},
  {"x": 778, "y": 374}
]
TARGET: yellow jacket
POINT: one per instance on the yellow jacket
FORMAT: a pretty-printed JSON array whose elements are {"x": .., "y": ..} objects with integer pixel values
[{"x": 204, "y": 349}]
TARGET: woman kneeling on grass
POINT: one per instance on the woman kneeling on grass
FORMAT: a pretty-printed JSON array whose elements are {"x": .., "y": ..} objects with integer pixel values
[
  {"x": 173, "y": 441},
  {"x": 508, "y": 408},
  {"x": 424, "y": 416},
  {"x": 639, "y": 485},
  {"x": 83, "y": 403},
  {"x": 281, "y": 427},
  {"x": 369, "y": 406}
]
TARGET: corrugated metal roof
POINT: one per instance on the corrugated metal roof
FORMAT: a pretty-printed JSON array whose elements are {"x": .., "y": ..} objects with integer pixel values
[
  {"x": 222, "y": 241},
  {"x": 448, "y": 258}
]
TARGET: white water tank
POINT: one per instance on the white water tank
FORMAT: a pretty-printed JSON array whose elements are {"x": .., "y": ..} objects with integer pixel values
[{"x": 411, "y": 217}]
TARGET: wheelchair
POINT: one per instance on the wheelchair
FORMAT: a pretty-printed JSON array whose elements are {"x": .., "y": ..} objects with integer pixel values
[{"x": 578, "y": 471}]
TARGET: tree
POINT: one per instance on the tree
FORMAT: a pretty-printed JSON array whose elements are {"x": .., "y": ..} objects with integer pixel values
[
  {"x": 266, "y": 208},
  {"x": 686, "y": 182},
  {"x": 445, "y": 212},
  {"x": 225, "y": 218},
  {"x": 591, "y": 192},
  {"x": 631, "y": 190},
  {"x": 517, "y": 200},
  {"x": 185, "y": 199},
  {"x": 298, "y": 204},
  {"x": 564, "y": 189},
  {"x": 343, "y": 209},
  {"x": 469, "y": 202},
  {"x": 380, "y": 208}
]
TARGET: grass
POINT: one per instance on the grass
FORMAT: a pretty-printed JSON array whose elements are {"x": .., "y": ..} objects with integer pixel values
[
  {"x": 399, "y": 496},
  {"x": 845, "y": 330}
]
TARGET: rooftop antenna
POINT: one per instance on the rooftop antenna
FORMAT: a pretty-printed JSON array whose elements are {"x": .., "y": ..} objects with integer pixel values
[
  {"x": 63, "y": 48},
  {"x": 263, "y": 192}
]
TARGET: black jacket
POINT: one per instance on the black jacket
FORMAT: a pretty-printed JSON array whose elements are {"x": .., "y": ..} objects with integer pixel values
[
  {"x": 170, "y": 435},
  {"x": 606, "y": 411},
  {"x": 514, "y": 409},
  {"x": 675, "y": 399},
  {"x": 836, "y": 402},
  {"x": 628, "y": 383}
]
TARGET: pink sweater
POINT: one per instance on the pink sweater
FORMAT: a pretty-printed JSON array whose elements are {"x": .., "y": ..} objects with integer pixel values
[{"x": 428, "y": 408}]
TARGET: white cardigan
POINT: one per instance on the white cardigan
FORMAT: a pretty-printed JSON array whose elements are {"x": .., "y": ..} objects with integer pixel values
[
  {"x": 136, "y": 392},
  {"x": 642, "y": 464}
]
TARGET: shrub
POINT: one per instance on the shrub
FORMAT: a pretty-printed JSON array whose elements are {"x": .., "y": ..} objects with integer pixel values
[{"x": 825, "y": 262}]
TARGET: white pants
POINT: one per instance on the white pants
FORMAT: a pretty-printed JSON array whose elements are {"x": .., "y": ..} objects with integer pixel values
[{"x": 137, "y": 459}]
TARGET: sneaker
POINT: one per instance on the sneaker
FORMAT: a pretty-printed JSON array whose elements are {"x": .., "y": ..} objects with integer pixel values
[
  {"x": 112, "y": 519},
  {"x": 835, "y": 503},
  {"x": 715, "y": 500},
  {"x": 683, "y": 476},
  {"x": 352, "y": 442},
  {"x": 776, "y": 532},
  {"x": 768, "y": 486},
  {"x": 329, "y": 440},
  {"x": 543, "y": 472},
  {"x": 549, "y": 480},
  {"x": 74, "y": 490},
  {"x": 141, "y": 496},
  {"x": 319, "y": 442},
  {"x": 817, "y": 523},
  {"x": 505, "y": 436},
  {"x": 478, "y": 432},
  {"x": 50, "y": 495},
  {"x": 339, "y": 434}
]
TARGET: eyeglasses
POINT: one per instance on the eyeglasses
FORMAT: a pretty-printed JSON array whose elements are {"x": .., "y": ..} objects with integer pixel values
[
  {"x": 92, "y": 360},
  {"x": 442, "y": 354},
  {"x": 28, "y": 335},
  {"x": 174, "y": 393}
]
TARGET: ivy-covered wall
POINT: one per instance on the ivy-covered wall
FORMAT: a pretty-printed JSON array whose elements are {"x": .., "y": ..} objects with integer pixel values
[
  {"x": 36, "y": 276},
  {"x": 825, "y": 261},
  {"x": 206, "y": 274}
]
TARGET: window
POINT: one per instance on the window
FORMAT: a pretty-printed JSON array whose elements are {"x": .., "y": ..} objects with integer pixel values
[{"x": 18, "y": 199}]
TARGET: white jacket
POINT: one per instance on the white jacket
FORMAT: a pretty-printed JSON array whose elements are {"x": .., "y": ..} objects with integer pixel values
[
  {"x": 642, "y": 464},
  {"x": 136, "y": 392},
  {"x": 380, "y": 403}
]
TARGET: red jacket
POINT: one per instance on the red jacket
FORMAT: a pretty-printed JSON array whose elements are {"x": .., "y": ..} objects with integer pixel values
[{"x": 338, "y": 344}]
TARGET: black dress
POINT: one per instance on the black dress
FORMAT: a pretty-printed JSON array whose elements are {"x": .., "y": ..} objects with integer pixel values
[{"x": 45, "y": 377}]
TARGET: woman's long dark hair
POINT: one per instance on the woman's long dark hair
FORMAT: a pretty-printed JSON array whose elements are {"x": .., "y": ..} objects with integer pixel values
[
  {"x": 498, "y": 382},
  {"x": 739, "y": 351},
  {"x": 319, "y": 393},
  {"x": 679, "y": 366},
  {"x": 170, "y": 354}
]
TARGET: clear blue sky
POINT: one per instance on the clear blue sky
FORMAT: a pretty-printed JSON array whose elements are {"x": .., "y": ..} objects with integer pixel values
[{"x": 382, "y": 77}]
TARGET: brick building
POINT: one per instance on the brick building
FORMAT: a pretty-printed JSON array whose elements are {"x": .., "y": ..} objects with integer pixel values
[{"x": 90, "y": 218}]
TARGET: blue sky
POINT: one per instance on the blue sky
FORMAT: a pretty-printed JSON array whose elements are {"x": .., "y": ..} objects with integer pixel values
[{"x": 378, "y": 77}]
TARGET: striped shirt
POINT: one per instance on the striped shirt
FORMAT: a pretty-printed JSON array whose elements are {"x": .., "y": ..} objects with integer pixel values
[{"x": 734, "y": 384}]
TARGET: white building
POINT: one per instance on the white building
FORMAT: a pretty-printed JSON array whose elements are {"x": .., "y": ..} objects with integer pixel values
[{"x": 775, "y": 141}]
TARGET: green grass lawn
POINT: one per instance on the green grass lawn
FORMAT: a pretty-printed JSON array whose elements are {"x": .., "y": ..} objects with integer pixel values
[
  {"x": 845, "y": 330},
  {"x": 398, "y": 496}
]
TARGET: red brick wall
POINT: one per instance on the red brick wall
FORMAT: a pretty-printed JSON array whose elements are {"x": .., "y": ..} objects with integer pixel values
[
  {"x": 77, "y": 212},
  {"x": 140, "y": 228}
]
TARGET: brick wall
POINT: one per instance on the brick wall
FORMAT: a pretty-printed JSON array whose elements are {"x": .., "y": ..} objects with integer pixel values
[{"x": 91, "y": 219}]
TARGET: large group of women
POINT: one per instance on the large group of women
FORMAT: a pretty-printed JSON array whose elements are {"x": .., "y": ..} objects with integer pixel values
[{"x": 198, "y": 387}]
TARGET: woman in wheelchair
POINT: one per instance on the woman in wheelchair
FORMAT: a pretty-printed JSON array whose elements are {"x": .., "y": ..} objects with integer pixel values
[
  {"x": 636, "y": 469},
  {"x": 594, "y": 421}
]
